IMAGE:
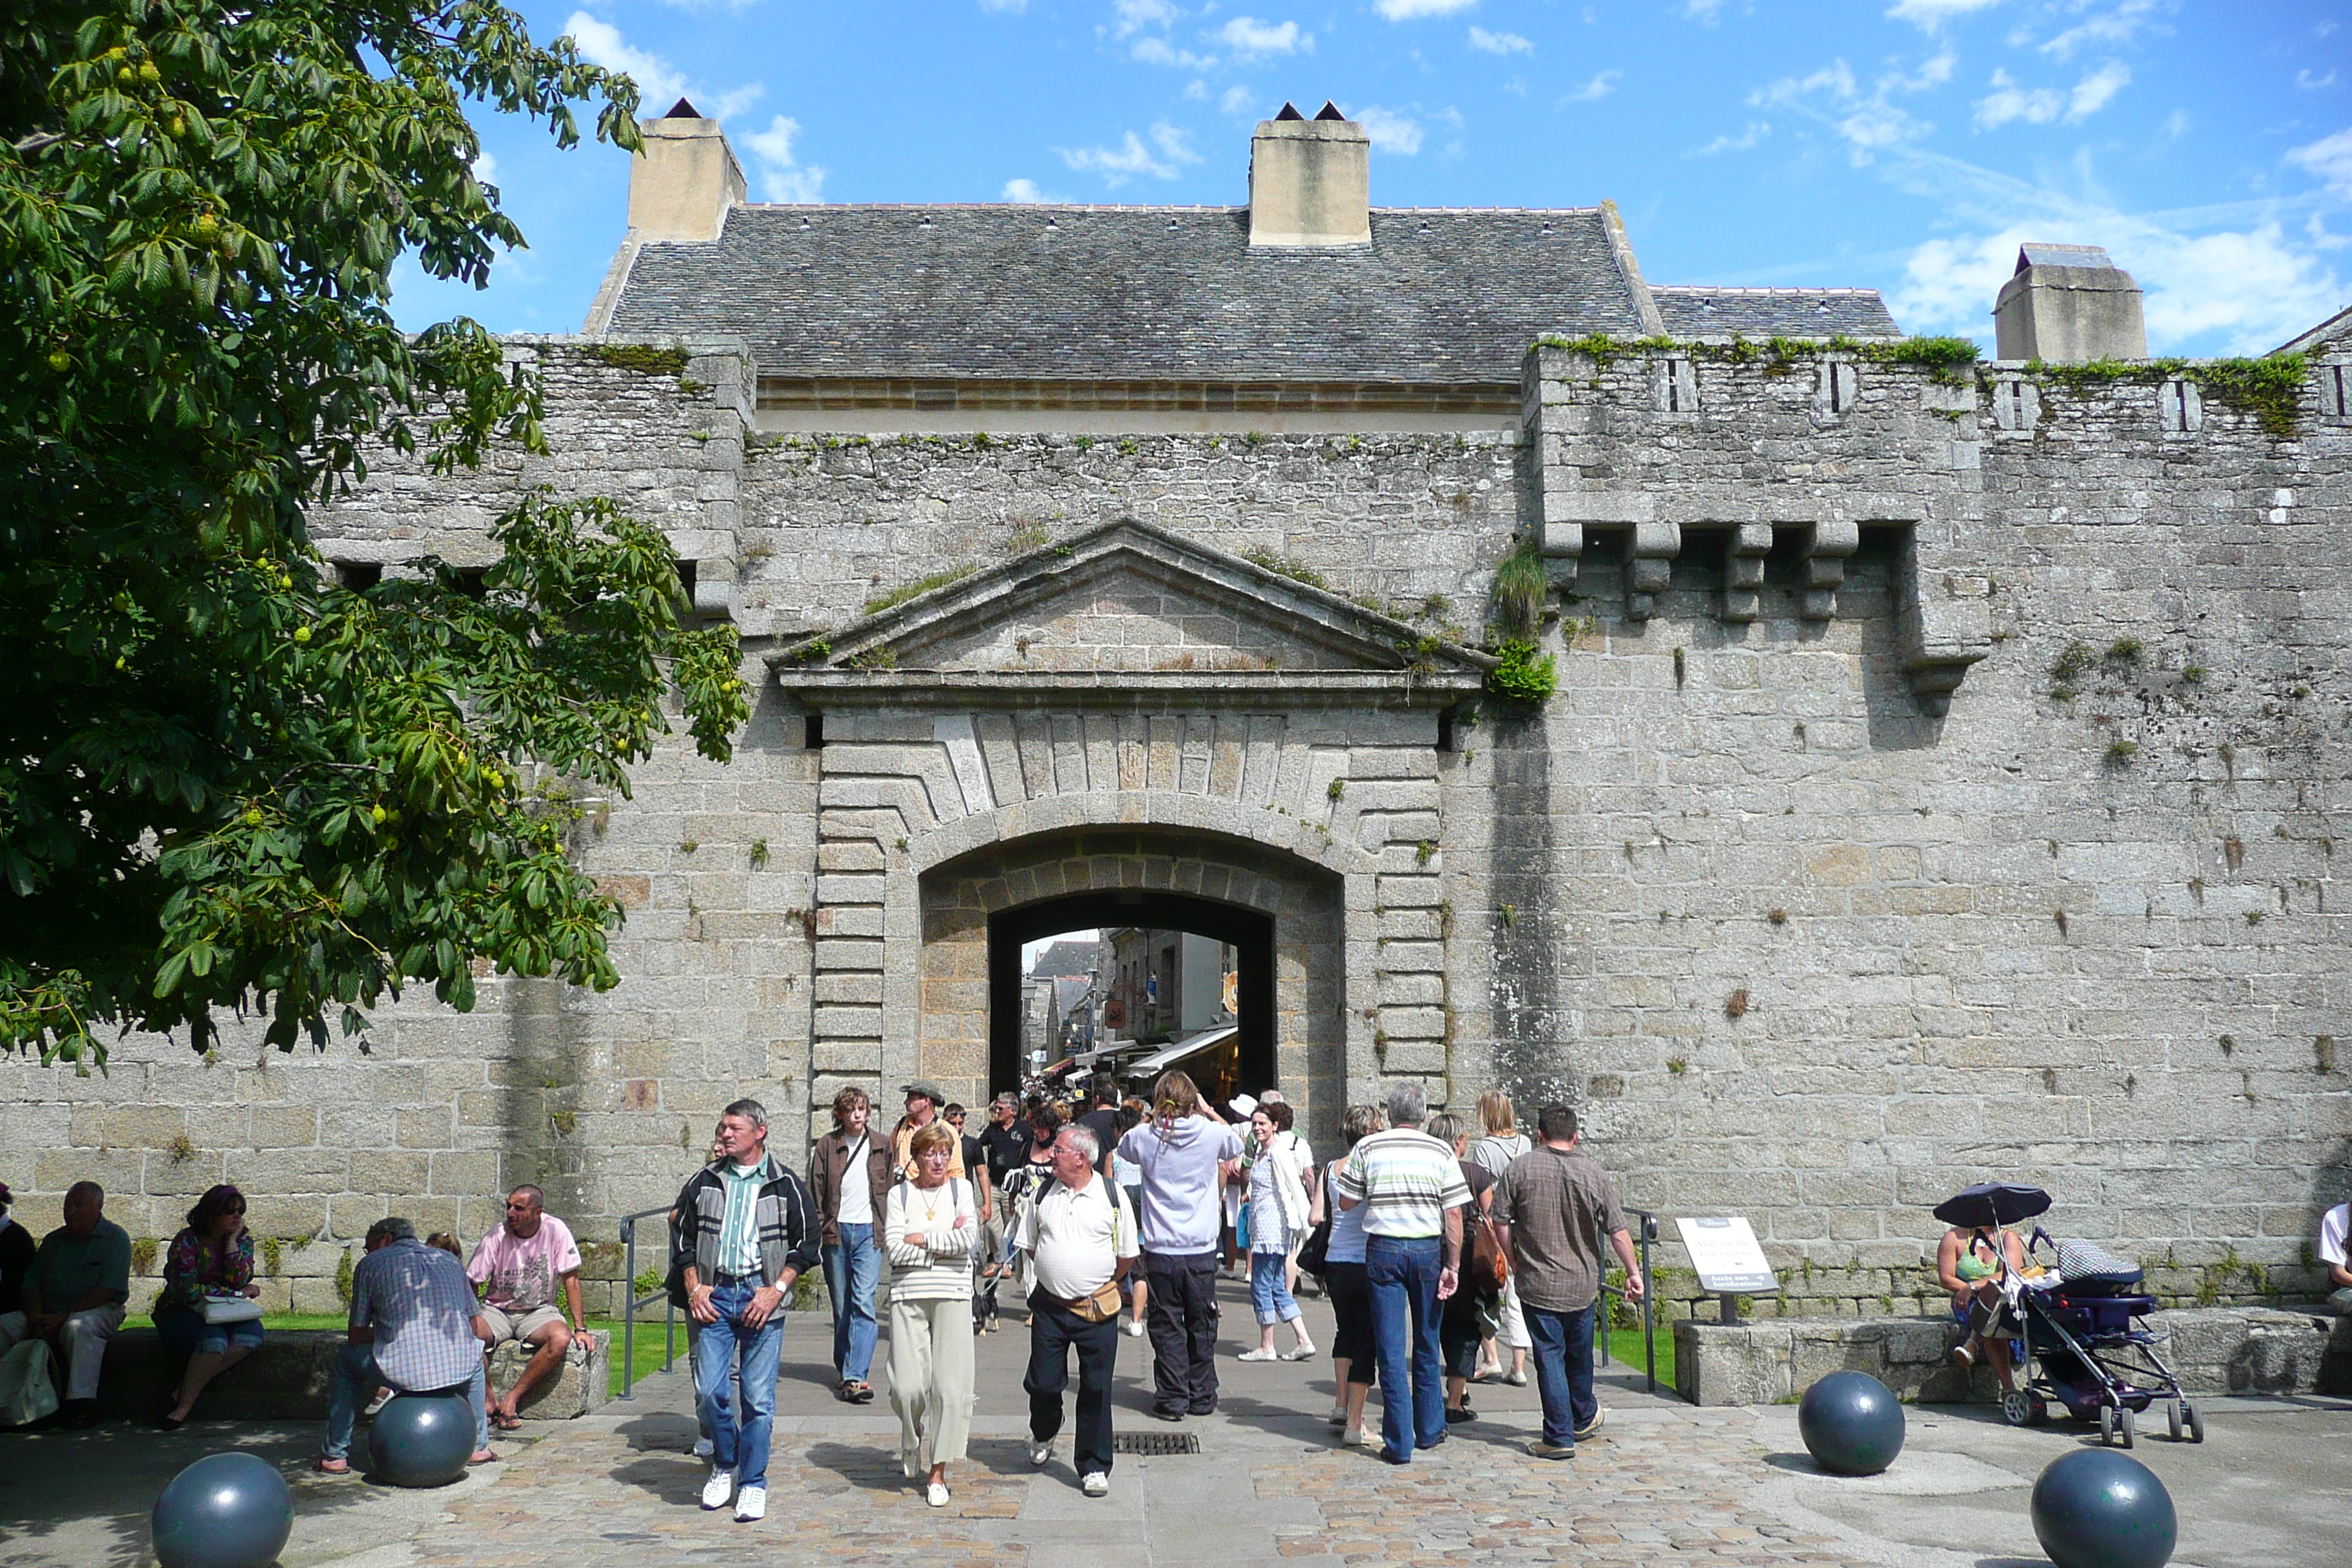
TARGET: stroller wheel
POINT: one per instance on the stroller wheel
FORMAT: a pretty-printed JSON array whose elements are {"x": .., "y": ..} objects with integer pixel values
[
  {"x": 2196, "y": 1424},
  {"x": 2023, "y": 1407},
  {"x": 2125, "y": 1425},
  {"x": 2106, "y": 1426},
  {"x": 2172, "y": 1419}
]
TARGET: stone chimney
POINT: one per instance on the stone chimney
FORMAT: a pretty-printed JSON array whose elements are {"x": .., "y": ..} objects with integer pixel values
[
  {"x": 1310, "y": 181},
  {"x": 2068, "y": 303},
  {"x": 685, "y": 179}
]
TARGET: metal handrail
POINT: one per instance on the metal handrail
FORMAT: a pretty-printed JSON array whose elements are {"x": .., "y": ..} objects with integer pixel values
[
  {"x": 1646, "y": 1231},
  {"x": 629, "y": 1310}
]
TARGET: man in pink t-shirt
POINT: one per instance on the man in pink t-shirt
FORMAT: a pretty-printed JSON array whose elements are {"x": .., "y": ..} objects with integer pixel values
[{"x": 516, "y": 1268}]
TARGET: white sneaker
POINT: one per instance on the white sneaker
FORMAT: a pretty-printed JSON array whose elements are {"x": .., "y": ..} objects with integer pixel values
[
  {"x": 1132, "y": 1329},
  {"x": 1258, "y": 1355},
  {"x": 704, "y": 1448},
  {"x": 1302, "y": 1352},
  {"x": 718, "y": 1489},
  {"x": 1096, "y": 1484},
  {"x": 1354, "y": 1437},
  {"x": 937, "y": 1495},
  {"x": 1041, "y": 1453},
  {"x": 752, "y": 1505}
]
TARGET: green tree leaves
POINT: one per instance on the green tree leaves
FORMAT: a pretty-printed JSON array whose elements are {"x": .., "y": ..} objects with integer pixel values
[{"x": 225, "y": 782}]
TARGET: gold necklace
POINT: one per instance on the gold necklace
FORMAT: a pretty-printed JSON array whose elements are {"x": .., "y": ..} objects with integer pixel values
[{"x": 930, "y": 1206}]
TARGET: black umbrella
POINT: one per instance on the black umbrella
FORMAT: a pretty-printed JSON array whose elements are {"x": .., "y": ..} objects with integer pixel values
[{"x": 1989, "y": 1205}]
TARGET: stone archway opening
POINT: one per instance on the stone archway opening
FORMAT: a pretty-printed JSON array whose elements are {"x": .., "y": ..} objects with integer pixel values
[
  {"x": 1248, "y": 931},
  {"x": 1283, "y": 916}
]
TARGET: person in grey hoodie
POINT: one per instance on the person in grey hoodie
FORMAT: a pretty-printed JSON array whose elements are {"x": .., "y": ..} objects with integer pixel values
[{"x": 1183, "y": 1152}]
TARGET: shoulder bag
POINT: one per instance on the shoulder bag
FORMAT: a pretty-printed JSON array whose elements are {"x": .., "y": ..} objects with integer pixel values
[{"x": 1315, "y": 1253}]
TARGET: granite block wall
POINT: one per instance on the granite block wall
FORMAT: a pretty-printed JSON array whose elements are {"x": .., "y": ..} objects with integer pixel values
[{"x": 1943, "y": 781}]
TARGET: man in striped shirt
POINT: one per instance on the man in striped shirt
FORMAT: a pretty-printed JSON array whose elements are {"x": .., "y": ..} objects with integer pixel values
[{"x": 1412, "y": 1190}]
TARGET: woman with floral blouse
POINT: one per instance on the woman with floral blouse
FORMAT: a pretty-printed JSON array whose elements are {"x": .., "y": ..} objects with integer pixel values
[{"x": 211, "y": 1261}]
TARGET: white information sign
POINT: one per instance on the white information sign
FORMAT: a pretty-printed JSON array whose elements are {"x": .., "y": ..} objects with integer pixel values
[{"x": 1729, "y": 1259}]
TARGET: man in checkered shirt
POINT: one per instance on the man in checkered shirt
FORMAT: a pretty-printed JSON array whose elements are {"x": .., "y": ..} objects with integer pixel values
[{"x": 414, "y": 1330}]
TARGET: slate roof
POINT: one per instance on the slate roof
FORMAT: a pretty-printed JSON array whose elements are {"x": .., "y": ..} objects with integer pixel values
[
  {"x": 1111, "y": 293},
  {"x": 1698, "y": 313}
]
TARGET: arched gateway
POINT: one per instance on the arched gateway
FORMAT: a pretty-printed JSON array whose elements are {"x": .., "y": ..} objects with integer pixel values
[{"x": 1128, "y": 727}]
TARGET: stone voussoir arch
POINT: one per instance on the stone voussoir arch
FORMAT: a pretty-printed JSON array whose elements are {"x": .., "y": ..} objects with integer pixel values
[{"x": 1168, "y": 810}]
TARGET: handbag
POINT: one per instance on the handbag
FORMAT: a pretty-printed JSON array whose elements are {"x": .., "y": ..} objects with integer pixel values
[
  {"x": 230, "y": 1309},
  {"x": 1315, "y": 1253},
  {"x": 28, "y": 1393},
  {"x": 1100, "y": 1307},
  {"x": 1486, "y": 1268}
]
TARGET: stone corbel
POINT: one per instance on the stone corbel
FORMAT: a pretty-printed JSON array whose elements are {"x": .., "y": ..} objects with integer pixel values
[
  {"x": 1831, "y": 544},
  {"x": 1649, "y": 564},
  {"x": 1743, "y": 571},
  {"x": 1943, "y": 624}
]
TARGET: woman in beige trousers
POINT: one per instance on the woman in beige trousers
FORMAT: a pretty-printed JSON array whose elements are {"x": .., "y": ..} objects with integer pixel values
[{"x": 932, "y": 1224}]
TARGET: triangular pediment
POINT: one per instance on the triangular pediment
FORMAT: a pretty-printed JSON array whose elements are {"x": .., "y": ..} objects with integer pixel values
[{"x": 1128, "y": 605}]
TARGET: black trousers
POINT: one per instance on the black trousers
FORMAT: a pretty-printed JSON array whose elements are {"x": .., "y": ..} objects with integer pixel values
[
  {"x": 1182, "y": 1321},
  {"x": 1053, "y": 1333}
]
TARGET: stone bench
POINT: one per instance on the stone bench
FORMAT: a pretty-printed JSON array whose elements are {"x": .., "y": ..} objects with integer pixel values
[
  {"x": 2212, "y": 1350},
  {"x": 286, "y": 1379}
]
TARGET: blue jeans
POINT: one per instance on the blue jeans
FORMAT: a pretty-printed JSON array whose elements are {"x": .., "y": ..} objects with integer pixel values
[
  {"x": 354, "y": 1372},
  {"x": 853, "y": 1268},
  {"x": 1402, "y": 1275},
  {"x": 1563, "y": 1349},
  {"x": 1268, "y": 1294},
  {"x": 186, "y": 1331},
  {"x": 739, "y": 1441}
]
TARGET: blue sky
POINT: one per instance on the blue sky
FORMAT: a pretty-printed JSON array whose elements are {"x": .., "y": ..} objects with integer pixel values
[{"x": 1905, "y": 145}]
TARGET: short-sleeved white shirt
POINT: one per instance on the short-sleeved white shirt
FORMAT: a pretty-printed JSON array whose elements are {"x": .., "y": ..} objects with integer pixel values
[
  {"x": 2332, "y": 1226},
  {"x": 1075, "y": 1238}
]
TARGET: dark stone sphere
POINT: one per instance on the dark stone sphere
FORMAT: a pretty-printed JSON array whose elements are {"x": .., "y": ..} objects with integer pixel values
[
  {"x": 1852, "y": 1424},
  {"x": 421, "y": 1440},
  {"x": 2100, "y": 1508},
  {"x": 225, "y": 1510}
]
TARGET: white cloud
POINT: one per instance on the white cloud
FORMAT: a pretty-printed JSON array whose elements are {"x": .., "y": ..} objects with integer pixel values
[
  {"x": 1408, "y": 10},
  {"x": 1499, "y": 43},
  {"x": 1599, "y": 87},
  {"x": 2093, "y": 91},
  {"x": 1250, "y": 39},
  {"x": 1160, "y": 52},
  {"x": 1163, "y": 158},
  {"x": 2007, "y": 101},
  {"x": 2117, "y": 25},
  {"x": 1197, "y": 90},
  {"x": 1023, "y": 191},
  {"x": 1238, "y": 99},
  {"x": 1015, "y": 6},
  {"x": 485, "y": 169},
  {"x": 1135, "y": 14},
  {"x": 1706, "y": 13},
  {"x": 1932, "y": 15},
  {"x": 1390, "y": 132},
  {"x": 2040, "y": 105},
  {"x": 728, "y": 105},
  {"x": 1868, "y": 123},
  {"x": 2330, "y": 158},
  {"x": 1757, "y": 131},
  {"x": 2308, "y": 82},
  {"x": 781, "y": 179},
  {"x": 659, "y": 82}
]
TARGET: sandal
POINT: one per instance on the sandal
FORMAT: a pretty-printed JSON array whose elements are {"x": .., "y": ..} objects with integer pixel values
[
  {"x": 505, "y": 1422},
  {"x": 861, "y": 1393},
  {"x": 330, "y": 1467},
  {"x": 845, "y": 1390}
]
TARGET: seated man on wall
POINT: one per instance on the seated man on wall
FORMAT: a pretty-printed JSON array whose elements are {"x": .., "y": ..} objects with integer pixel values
[
  {"x": 415, "y": 1327},
  {"x": 516, "y": 1268},
  {"x": 75, "y": 1295},
  {"x": 2332, "y": 1227}
]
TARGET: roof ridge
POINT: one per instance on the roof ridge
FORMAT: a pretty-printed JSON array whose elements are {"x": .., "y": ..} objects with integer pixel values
[
  {"x": 1749, "y": 290},
  {"x": 1110, "y": 206}
]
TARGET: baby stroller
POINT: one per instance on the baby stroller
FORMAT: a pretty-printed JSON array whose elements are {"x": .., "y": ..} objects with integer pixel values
[{"x": 2088, "y": 1349}]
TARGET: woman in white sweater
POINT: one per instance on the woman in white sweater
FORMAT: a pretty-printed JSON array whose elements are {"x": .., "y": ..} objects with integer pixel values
[{"x": 932, "y": 1223}]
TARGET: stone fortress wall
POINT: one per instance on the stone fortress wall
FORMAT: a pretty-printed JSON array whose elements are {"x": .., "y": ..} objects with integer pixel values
[{"x": 1801, "y": 943}]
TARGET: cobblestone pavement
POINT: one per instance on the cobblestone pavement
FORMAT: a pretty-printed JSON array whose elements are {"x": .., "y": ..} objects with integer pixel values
[{"x": 1665, "y": 1484}]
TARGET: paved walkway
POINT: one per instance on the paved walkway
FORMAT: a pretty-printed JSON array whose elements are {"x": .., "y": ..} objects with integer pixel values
[{"x": 1666, "y": 1484}]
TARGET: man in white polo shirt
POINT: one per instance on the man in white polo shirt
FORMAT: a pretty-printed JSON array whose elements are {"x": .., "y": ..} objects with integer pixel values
[{"x": 1080, "y": 1240}]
